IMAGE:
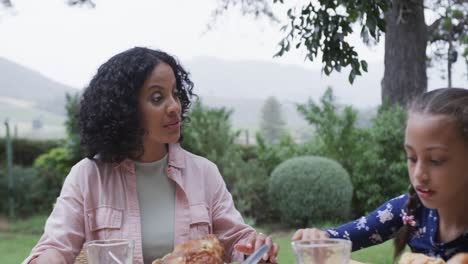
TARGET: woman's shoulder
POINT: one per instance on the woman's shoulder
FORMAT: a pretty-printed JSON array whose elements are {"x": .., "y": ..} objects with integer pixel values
[
  {"x": 87, "y": 167},
  {"x": 189, "y": 160},
  {"x": 193, "y": 160},
  {"x": 87, "y": 164}
]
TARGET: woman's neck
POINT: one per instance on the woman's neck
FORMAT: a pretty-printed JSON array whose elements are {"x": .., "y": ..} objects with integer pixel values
[
  {"x": 153, "y": 153},
  {"x": 453, "y": 220}
]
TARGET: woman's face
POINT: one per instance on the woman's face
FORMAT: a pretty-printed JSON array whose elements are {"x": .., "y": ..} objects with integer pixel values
[
  {"x": 160, "y": 107},
  {"x": 437, "y": 159}
]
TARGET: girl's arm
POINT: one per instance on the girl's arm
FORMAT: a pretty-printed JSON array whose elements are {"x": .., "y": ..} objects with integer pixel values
[{"x": 375, "y": 228}]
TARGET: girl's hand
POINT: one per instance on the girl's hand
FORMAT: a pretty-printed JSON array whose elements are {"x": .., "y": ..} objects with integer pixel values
[
  {"x": 255, "y": 241},
  {"x": 309, "y": 233},
  {"x": 460, "y": 258}
]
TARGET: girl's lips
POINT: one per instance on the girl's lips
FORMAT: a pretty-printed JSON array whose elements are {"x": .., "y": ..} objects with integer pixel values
[{"x": 424, "y": 193}]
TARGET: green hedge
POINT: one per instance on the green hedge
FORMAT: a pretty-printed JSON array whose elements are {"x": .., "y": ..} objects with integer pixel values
[
  {"x": 29, "y": 191},
  {"x": 25, "y": 151},
  {"x": 310, "y": 189}
]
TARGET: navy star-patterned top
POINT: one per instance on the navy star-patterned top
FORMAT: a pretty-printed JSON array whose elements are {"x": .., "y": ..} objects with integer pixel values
[{"x": 383, "y": 223}]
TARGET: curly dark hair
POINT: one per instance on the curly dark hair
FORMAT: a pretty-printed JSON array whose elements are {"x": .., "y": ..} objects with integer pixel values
[{"x": 108, "y": 119}]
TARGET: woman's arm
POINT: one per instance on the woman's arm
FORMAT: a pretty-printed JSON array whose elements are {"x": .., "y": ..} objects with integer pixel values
[
  {"x": 237, "y": 237},
  {"x": 49, "y": 256},
  {"x": 64, "y": 230}
]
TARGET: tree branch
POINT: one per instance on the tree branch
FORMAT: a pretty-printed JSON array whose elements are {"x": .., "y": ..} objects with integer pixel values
[
  {"x": 433, "y": 33},
  {"x": 434, "y": 26},
  {"x": 6, "y": 3}
]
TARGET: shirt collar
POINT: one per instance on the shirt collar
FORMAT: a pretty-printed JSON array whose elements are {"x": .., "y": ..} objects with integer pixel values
[{"x": 176, "y": 158}]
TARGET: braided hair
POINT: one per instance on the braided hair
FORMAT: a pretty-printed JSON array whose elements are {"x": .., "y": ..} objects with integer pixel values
[{"x": 405, "y": 232}]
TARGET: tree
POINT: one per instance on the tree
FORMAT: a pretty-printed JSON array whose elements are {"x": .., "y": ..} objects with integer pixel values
[
  {"x": 322, "y": 27},
  {"x": 449, "y": 37},
  {"x": 335, "y": 128},
  {"x": 271, "y": 123},
  {"x": 9, "y": 3}
]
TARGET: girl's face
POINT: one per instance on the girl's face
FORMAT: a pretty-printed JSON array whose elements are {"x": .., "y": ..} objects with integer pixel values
[
  {"x": 160, "y": 107},
  {"x": 437, "y": 159}
]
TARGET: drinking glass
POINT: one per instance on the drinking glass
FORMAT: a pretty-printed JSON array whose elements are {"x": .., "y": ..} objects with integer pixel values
[
  {"x": 115, "y": 251},
  {"x": 322, "y": 251}
]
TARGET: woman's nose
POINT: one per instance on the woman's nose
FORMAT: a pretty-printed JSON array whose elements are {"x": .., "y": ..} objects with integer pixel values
[{"x": 174, "y": 105}]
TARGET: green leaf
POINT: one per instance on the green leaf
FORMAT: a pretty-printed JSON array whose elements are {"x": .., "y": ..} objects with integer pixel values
[
  {"x": 364, "y": 65},
  {"x": 352, "y": 76}
]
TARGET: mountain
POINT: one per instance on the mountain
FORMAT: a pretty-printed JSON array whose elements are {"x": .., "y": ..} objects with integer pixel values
[
  {"x": 244, "y": 86},
  {"x": 289, "y": 83},
  {"x": 25, "y": 84},
  {"x": 26, "y": 96}
]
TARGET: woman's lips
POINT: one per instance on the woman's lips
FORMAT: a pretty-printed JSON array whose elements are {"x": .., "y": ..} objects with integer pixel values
[
  {"x": 173, "y": 126},
  {"x": 424, "y": 193}
]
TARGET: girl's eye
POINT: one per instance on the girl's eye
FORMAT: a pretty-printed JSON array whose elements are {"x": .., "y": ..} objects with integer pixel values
[
  {"x": 412, "y": 159},
  {"x": 437, "y": 162}
]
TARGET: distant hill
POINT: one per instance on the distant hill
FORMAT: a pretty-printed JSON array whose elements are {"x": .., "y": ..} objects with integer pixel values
[
  {"x": 27, "y": 96},
  {"x": 22, "y": 83},
  {"x": 289, "y": 83}
]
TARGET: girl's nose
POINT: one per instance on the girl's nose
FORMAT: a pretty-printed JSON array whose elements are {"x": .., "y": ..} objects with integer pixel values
[{"x": 420, "y": 173}]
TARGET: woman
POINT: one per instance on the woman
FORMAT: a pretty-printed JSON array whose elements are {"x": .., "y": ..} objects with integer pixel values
[{"x": 137, "y": 182}]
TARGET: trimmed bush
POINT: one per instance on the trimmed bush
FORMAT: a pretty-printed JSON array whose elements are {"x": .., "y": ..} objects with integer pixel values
[{"x": 309, "y": 189}]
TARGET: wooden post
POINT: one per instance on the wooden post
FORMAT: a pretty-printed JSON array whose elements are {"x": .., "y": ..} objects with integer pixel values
[{"x": 11, "y": 181}]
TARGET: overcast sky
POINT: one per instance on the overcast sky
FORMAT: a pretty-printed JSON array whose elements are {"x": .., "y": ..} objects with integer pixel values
[{"x": 69, "y": 43}]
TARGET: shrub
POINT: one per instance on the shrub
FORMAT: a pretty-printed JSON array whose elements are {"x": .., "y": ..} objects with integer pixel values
[
  {"x": 250, "y": 192},
  {"x": 310, "y": 189},
  {"x": 336, "y": 134},
  {"x": 28, "y": 191},
  {"x": 380, "y": 172},
  {"x": 52, "y": 168},
  {"x": 209, "y": 134},
  {"x": 270, "y": 155},
  {"x": 25, "y": 151}
]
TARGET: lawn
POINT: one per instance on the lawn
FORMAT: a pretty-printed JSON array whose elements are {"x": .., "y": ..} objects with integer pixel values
[
  {"x": 16, "y": 245},
  {"x": 14, "y": 248}
]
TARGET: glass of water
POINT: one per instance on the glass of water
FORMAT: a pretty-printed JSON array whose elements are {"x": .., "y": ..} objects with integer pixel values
[
  {"x": 115, "y": 251},
  {"x": 322, "y": 251}
]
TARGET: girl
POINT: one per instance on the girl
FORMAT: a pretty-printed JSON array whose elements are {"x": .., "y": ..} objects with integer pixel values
[{"x": 432, "y": 218}]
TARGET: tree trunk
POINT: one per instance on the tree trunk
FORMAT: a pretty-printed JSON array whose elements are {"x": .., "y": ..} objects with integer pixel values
[{"x": 405, "y": 52}]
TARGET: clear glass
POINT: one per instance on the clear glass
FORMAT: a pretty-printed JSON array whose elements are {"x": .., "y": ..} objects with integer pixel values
[
  {"x": 115, "y": 251},
  {"x": 322, "y": 251}
]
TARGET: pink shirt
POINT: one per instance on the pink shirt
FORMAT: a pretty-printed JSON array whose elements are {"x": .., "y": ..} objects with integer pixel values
[{"x": 99, "y": 201}]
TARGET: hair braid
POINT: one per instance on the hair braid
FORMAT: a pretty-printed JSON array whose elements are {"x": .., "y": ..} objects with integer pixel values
[{"x": 406, "y": 231}]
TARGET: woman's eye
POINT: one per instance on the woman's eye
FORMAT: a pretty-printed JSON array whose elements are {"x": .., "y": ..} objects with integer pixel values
[
  {"x": 156, "y": 97},
  {"x": 412, "y": 159}
]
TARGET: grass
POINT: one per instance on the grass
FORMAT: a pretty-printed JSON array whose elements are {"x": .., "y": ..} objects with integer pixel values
[
  {"x": 14, "y": 248},
  {"x": 16, "y": 244},
  {"x": 33, "y": 225}
]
